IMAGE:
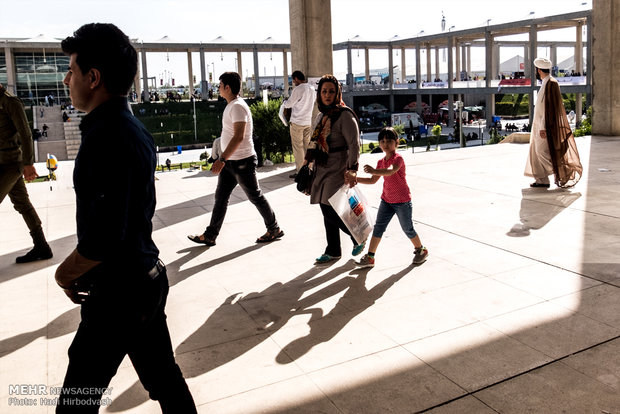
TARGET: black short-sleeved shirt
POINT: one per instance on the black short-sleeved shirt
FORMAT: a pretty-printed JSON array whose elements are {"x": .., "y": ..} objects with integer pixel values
[{"x": 115, "y": 188}]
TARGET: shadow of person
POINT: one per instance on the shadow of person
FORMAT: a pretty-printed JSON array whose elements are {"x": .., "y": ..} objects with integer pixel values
[
  {"x": 241, "y": 323},
  {"x": 539, "y": 208},
  {"x": 356, "y": 299},
  {"x": 176, "y": 275},
  {"x": 64, "y": 324}
]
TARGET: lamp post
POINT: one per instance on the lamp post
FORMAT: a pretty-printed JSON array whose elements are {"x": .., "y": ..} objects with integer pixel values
[{"x": 461, "y": 140}]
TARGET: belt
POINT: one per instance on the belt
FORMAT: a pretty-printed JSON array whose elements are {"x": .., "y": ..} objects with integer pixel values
[{"x": 156, "y": 270}]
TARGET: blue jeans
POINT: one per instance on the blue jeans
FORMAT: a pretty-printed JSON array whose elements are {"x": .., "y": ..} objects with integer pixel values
[
  {"x": 242, "y": 172},
  {"x": 386, "y": 212}
]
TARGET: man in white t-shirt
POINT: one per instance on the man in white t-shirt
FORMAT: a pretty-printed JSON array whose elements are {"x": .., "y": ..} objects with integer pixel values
[
  {"x": 236, "y": 165},
  {"x": 301, "y": 104}
]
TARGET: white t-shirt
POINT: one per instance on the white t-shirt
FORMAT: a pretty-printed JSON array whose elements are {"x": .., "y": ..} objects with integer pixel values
[
  {"x": 237, "y": 111},
  {"x": 302, "y": 102}
]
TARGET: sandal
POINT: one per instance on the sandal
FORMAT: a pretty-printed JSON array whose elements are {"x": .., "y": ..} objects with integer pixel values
[
  {"x": 202, "y": 239},
  {"x": 270, "y": 236}
]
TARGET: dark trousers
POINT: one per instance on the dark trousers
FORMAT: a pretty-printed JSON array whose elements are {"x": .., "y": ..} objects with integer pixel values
[
  {"x": 333, "y": 224},
  {"x": 118, "y": 321},
  {"x": 11, "y": 183},
  {"x": 242, "y": 172}
]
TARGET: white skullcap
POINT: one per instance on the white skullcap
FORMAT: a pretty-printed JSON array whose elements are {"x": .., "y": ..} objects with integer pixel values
[{"x": 542, "y": 63}]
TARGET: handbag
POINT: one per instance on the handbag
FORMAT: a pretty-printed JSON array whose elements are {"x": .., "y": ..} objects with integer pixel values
[
  {"x": 304, "y": 179},
  {"x": 352, "y": 207}
]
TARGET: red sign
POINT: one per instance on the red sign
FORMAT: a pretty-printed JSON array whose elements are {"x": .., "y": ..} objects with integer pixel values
[{"x": 515, "y": 82}]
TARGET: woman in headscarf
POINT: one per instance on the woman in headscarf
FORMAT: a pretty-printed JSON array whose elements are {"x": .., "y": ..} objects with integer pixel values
[{"x": 334, "y": 151}]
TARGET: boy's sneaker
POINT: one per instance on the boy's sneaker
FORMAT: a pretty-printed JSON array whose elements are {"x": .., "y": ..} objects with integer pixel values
[
  {"x": 358, "y": 248},
  {"x": 366, "y": 261},
  {"x": 420, "y": 255}
]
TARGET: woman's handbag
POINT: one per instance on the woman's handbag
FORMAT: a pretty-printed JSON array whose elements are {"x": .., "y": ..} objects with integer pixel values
[{"x": 304, "y": 179}]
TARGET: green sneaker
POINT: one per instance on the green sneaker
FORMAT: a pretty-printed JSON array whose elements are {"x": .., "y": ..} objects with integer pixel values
[
  {"x": 358, "y": 248},
  {"x": 325, "y": 258}
]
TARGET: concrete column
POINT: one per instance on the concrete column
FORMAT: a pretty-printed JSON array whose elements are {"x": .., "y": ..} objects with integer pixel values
[
  {"x": 450, "y": 79},
  {"x": 190, "y": 71},
  {"x": 578, "y": 65},
  {"x": 530, "y": 64},
  {"x": 349, "y": 66},
  {"x": 605, "y": 88},
  {"x": 463, "y": 60},
  {"x": 136, "y": 84},
  {"x": 490, "y": 98},
  {"x": 457, "y": 71},
  {"x": 390, "y": 68},
  {"x": 468, "y": 60},
  {"x": 311, "y": 36},
  {"x": 526, "y": 61},
  {"x": 367, "y": 63},
  {"x": 553, "y": 55},
  {"x": 145, "y": 78},
  {"x": 436, "y": 63},
  {"x": 240, "y": 70},
  {"x": 391, "y": 75},
  {"x": 496, "y": 62},
  {"x": 418, "y": 78},
  {"x": 256, "y": 73},
  {"x": 285, "y": 72},
  {"x": 204, "y": 84},
  {"x": 428, "y": 64},
  {"x": 11, "y": 78},
  {"x": 403, "y": 66}
]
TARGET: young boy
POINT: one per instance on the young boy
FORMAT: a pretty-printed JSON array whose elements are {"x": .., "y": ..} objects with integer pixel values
[{"x": 396, "y": 198}]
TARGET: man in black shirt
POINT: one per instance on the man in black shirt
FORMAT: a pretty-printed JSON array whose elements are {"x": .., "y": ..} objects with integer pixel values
[{"x": 114, "y": 272}]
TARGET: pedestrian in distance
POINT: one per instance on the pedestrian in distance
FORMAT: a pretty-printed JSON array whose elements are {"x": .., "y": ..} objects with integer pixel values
[
  {"x": 236, "y": 165},
  {"x": 395, "y": 199},
  {"x": 334, "y": 153},
  {"x": 553, "y": 150},
  {"x": 17, "y": 163},
  {"x": 114, "y": 271},
  {"x": 301, "y": 104}
]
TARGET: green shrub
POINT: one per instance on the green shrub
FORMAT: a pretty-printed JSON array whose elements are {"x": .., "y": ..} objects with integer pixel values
[
  {"x": 273, "y": 134},
  {"x": 402, "y": 141},
  {"x": 371, "y": 146},
  {"x": 586, "y": 125}
]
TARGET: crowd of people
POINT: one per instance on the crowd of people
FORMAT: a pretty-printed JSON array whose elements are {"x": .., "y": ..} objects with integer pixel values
[{"x": 115, "y": 273}]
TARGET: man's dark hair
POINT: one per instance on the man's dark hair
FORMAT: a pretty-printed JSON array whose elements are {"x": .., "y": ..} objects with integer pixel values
[
  {"x": 233, "y": 80},
  {"x": 104, "y": 47},
  {"x": 545, "y": 70},
  {"x": 299, "y": 75}
]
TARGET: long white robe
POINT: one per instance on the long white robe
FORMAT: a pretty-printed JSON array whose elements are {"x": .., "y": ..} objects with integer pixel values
[{"x": 539, "y": 164}]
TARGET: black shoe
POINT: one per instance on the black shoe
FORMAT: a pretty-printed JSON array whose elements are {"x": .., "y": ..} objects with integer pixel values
[
  {"x": 539, "y": 185},
  {"x": 37, "y": 253},
  {"x": 202, "y": 239}
]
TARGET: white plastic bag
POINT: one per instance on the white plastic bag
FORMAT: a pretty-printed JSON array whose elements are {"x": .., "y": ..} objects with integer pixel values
[
  {"x": 353, "y": 209},
  {"x": 282, "y": 116}
]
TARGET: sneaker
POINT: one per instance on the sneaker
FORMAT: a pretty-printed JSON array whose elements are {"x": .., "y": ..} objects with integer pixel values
[
  {"x": 366, "y": 261},
  {"x": 358, "y": 248},
  {"x": 420, "y": 255},
  {"x": 326, "y": 258}
]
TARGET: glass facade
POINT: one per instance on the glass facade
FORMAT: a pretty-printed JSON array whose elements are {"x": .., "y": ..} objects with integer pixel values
[
  {"x": 39, "y": 75},
  {"x": 2, "y": 69}
]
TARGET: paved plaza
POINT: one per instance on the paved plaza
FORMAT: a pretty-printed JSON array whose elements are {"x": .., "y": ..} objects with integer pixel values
[{"x": 516, "y": 310}]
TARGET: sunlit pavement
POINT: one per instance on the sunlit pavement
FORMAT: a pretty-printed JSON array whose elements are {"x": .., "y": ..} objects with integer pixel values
[{"x": 516, "y": 310}]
